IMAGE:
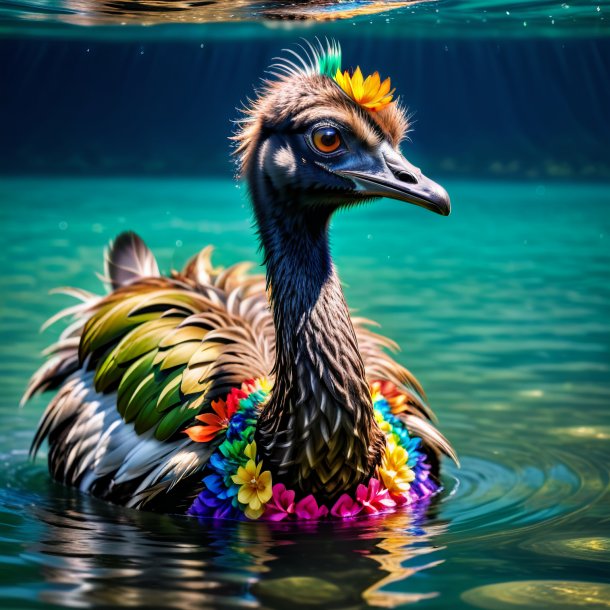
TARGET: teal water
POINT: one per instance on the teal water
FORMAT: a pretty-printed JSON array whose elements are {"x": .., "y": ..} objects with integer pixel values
[
  {"x": 501, "y": 310},
  {"x": 177, "y": 19}
]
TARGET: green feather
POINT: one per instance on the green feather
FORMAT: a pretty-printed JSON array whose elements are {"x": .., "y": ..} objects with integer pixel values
[
  {"x": 132, "y": 379},
  {"x": 330, "y": 60},
  {"x": 147, "y": 417},
  {"x": 175, "y": 419},
  {"x": 170, "y": 394}
]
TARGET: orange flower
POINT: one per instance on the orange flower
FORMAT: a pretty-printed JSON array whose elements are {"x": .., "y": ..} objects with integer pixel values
[
  {"x": 371, "y": 93},
  {"x": 214, "y": 422}
]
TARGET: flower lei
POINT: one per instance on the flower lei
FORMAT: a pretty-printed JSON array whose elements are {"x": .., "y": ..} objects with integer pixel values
[{"x": 236, "y": 485}]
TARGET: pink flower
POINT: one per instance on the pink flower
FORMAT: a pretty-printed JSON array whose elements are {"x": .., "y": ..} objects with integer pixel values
[
  {"x": 345, "y": 507},
  {"x": 281, "y": 504},
  {"x": 307, "y": 508},
  {"x": 402, "y": 498},
  {"x": 374, "y": 499}
]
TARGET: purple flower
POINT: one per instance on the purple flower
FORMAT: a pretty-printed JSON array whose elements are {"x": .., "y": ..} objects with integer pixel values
[
  {"x": 373, "y": 498},
  {"x": 345, "y": 507},
  {"x": 308, "y": 508},
  {"x": 207, "y": 504},
  {"x": 281, "y": 504}
]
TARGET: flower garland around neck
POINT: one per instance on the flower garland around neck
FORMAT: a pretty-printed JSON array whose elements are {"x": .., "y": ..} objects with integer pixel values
[{"x": 237, "y": 486}]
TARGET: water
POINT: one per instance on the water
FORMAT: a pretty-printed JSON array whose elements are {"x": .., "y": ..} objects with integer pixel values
[
  {"x": 501, "y": 310},
  {"x": 456, "y": 17}
]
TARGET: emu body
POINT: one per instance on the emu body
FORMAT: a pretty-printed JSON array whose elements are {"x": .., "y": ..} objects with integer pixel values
[{"x": 140, "y": 366}]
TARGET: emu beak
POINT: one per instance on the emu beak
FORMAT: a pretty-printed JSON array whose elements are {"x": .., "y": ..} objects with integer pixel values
[{"x": 394, "y": 177}]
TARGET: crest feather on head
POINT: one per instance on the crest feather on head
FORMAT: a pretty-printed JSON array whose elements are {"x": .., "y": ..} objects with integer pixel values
[{"x": 310, "y": 85}]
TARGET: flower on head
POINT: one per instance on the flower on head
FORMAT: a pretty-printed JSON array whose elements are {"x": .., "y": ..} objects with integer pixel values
[
  {"x": 370, "y": 93},
  {"x": 345, "y": 507},
  {"x": 394, "y": 470},
  {"x": 308, "y": 508},
  {"x": 281, "y": 504},
  {"x": 213, "y": 422},
  {"x": 373, "y": 498},
  {"x": 255, "y": 486}
]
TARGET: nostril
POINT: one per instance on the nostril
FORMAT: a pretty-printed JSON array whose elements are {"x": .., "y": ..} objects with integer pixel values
[
  {"x": 404, "y": 176},
  {"x": 400, "y": 173}
]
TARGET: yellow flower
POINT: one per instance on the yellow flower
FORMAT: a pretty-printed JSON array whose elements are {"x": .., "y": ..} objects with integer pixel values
[
  {"x": 371, "y": 93},
  {"x": 384, "y": 426},
  {"x": 394, "y": 471},
  {"x": 254, "y": 385},
  {"x": 255, "y": 486}
]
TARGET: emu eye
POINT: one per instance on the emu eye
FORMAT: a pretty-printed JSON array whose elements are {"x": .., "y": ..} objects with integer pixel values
[{"x": 326, "y": 139}]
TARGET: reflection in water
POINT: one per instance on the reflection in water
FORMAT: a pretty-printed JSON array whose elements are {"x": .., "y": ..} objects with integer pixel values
[
  {"x": 92, "y": 554},
  {"x": 512, "y": 349},
  {"x": 574, "y": 546},
  {"x": 541, "y": 595},
  {"x": 427, "y": 17},
  {"x": 90, "y": 12}
]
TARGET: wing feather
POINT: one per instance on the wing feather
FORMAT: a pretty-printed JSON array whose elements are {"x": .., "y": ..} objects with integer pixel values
[{"x": 136, "y": 366}]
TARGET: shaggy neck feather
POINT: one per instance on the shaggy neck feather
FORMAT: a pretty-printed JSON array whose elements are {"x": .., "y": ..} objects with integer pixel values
[{"x": 317, "y": 431}]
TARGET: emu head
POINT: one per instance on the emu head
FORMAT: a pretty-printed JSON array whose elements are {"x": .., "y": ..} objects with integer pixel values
[{"x": 318, "y": 137}]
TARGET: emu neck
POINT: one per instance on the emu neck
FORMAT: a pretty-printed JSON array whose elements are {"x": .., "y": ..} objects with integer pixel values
[{"x": 317, "y": 432}]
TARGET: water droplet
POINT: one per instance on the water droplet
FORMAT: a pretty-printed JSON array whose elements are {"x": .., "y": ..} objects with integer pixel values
[
  {"x": 179, "y": 243},
  {"x": 63, "y": 225},
  {"x": 508, "y": 12}
]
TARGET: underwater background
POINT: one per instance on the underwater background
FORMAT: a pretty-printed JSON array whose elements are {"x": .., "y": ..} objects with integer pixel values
[{"x": 116, "y": 115}]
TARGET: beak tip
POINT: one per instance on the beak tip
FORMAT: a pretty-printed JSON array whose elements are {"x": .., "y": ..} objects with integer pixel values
[{"x": 441, "y": 200}]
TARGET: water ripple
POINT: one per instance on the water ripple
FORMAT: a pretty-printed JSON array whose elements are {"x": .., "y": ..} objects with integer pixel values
[{"x": 516, "y": 369}]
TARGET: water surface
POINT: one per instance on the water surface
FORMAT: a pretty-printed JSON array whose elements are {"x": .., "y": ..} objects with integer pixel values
[
  {"x": 501, "y": 310},
  {"x": 436, "y": 18}
]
